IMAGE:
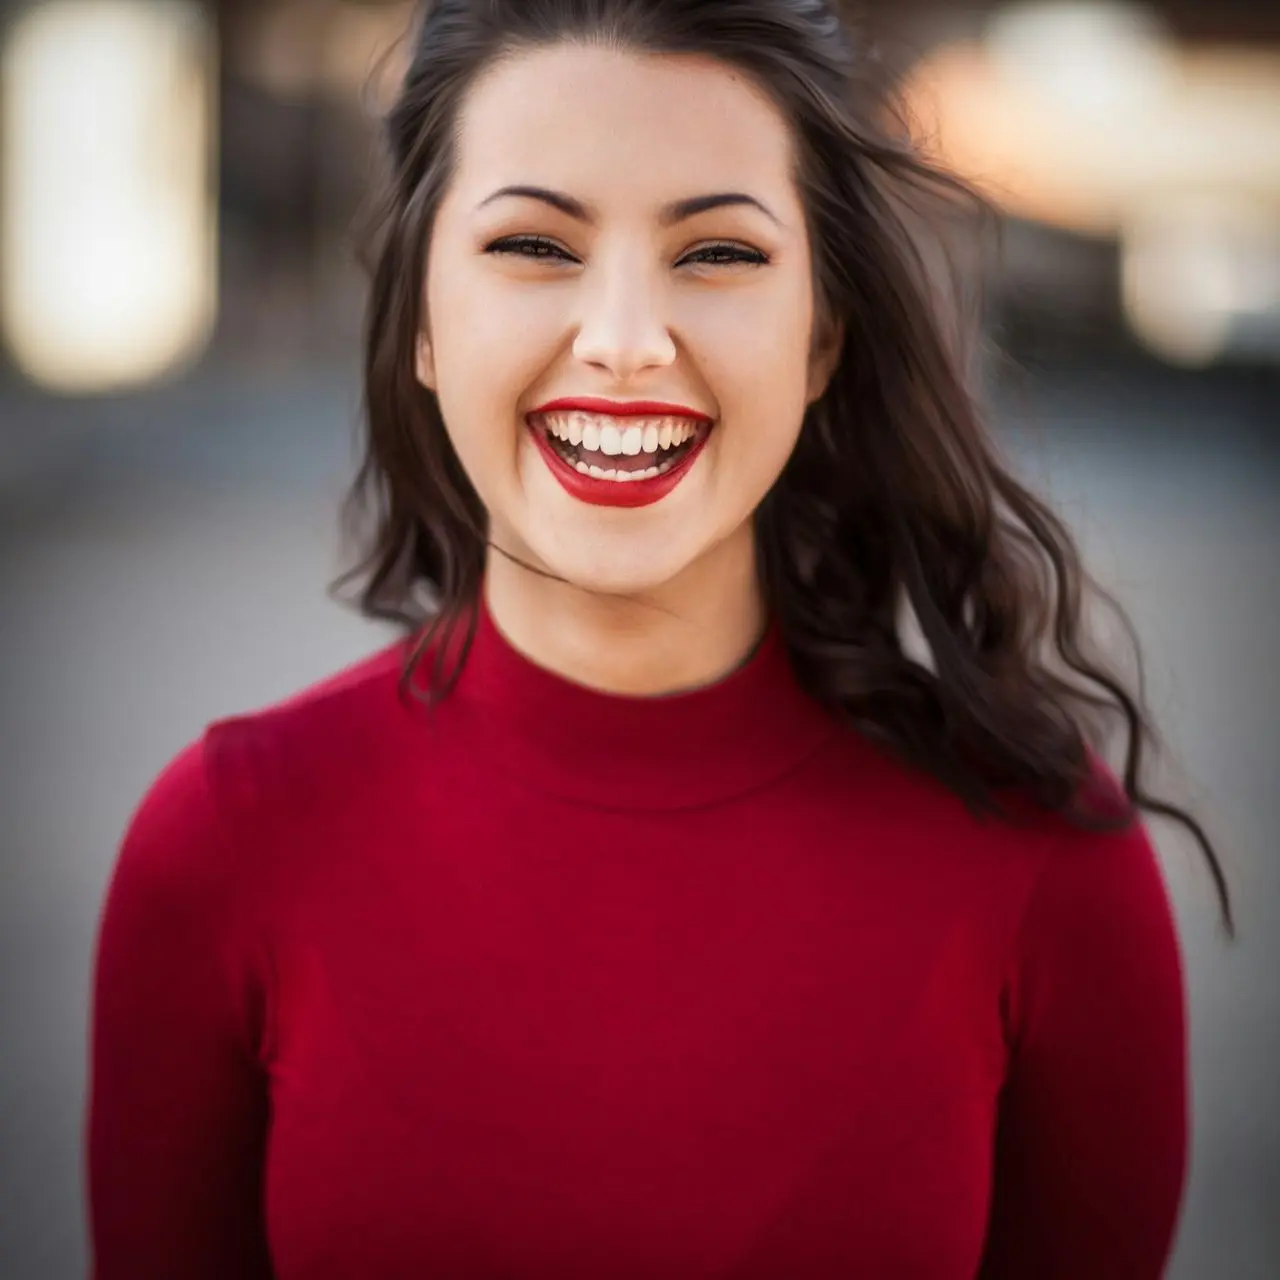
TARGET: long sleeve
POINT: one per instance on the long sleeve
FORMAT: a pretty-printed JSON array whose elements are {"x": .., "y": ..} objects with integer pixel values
[
  {"x": 394, "y": 995},
  {"x": 177, "y": 1111},
  {"x": 1091, "y": 1151}
]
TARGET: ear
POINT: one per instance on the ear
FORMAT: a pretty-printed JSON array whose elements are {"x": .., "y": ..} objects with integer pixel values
[
  {"x": 425, "y": 362},
  {"x": 824, "y": 356}
]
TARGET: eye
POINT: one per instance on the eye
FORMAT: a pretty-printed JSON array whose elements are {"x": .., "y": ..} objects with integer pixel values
[
  {"x": 529, "y": 247},
  {"x": 712, "y": 255},
  {"x": 716, "y": 255}
]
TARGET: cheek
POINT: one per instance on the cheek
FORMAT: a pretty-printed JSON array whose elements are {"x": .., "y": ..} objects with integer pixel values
[
  {"x": 495, "y": 346},
  {"x": 755, "y": 358},
  {"x": 755, "y": 342}
]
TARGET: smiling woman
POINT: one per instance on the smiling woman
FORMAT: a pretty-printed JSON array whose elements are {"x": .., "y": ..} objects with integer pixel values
[
  {"x": 672, "y": 264},
  {"x": 639, "y": 911}
]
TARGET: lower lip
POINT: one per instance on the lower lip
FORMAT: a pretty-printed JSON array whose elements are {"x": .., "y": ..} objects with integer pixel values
[{"x": 614, "y": 493}]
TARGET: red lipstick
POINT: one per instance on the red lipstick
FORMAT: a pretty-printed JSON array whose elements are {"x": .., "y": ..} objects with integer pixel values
[
  {"x": 617, "y": 493},
  {"x": 622, "y": 408}
]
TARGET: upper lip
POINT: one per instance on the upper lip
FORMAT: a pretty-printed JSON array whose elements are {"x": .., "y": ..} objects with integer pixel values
[{"x": 622, "y": 408}]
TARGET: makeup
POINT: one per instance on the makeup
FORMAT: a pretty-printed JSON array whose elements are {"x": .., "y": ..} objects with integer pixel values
[{"x": 615, "y": 453}]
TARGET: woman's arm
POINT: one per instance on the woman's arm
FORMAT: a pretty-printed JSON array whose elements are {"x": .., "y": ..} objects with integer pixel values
[
  {"x": 177, "y": 1108},
  {"x": 1091, "y": 1152}
]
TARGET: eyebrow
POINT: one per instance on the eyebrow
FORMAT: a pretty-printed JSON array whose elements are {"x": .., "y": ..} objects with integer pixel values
[{"x": 677, "y": 211}]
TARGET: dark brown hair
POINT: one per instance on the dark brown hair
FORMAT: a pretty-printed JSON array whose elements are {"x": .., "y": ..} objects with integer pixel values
[{"x": 894, "y": 491}]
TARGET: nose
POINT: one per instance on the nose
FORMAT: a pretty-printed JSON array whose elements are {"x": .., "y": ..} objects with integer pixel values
[{"x": 623, "y": 329}]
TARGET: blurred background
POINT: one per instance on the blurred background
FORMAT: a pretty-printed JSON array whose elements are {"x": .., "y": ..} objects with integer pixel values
[{"x": 180, "y": 311}]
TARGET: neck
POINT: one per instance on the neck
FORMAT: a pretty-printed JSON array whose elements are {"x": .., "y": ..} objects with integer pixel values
[{"x": 689, "y": 632}]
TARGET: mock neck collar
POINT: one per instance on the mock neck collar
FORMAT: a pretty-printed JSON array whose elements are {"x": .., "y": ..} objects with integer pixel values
[{"x": 615, "y": 751}]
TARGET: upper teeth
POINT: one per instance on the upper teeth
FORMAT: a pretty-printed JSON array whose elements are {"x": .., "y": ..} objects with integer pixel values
[{"x": 601, "y": 432}]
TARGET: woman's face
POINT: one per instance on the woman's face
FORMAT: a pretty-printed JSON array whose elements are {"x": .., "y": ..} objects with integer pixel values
[{"x": 605, "y": 289}]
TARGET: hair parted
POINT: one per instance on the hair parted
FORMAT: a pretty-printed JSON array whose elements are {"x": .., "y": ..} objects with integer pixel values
[{"x": 895, "y": 491}]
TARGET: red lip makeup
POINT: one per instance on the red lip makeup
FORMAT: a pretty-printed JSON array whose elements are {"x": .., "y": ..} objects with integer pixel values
[{"x": 620, "y": 454}]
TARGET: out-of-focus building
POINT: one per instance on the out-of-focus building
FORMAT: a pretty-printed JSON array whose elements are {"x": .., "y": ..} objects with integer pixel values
[
  {"x": 1159, "y": 151},
  {"x": 180, "y": 177}
]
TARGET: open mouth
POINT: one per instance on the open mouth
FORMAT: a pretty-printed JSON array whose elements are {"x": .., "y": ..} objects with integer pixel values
[
  {"x": 616, "y": 460},
  {"x": 624, "y": 449}
]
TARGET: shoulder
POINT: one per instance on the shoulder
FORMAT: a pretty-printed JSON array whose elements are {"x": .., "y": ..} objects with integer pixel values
[
  {"x": 1086, "y": 877},
  {"x": 335, "y": 728},
  {"x": 256, "y": 764},
  {"x": 1044, "y": 886},
  {"x": 1078, "y": 920},
  {"x": 1097, "y": 930}
]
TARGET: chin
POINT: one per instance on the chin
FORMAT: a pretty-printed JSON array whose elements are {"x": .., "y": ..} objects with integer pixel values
[{"x": 628, "y": 574}]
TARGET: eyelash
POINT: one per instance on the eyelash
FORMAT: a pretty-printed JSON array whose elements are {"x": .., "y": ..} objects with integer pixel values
[{"x": 517, "y": 244}]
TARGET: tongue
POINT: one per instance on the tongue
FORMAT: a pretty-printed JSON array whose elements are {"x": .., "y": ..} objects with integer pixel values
[{"x": 618, "y": 461}]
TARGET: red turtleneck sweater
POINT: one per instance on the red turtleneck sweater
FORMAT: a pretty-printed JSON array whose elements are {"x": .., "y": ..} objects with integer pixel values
[{"x": 556, "y": 985}]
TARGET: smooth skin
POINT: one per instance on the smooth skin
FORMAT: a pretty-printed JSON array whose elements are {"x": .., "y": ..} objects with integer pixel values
[{"x": 715, "y": 311}]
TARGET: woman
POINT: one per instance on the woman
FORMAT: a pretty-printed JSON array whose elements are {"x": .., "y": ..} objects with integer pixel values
[{"x": 647, "y": 910}]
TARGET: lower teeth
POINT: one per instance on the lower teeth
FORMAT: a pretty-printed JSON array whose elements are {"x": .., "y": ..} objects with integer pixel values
[{"x": 612, "y": 473}]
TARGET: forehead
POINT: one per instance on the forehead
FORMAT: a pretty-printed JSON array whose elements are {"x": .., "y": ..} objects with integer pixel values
[{"x": 611, "y": 124}]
